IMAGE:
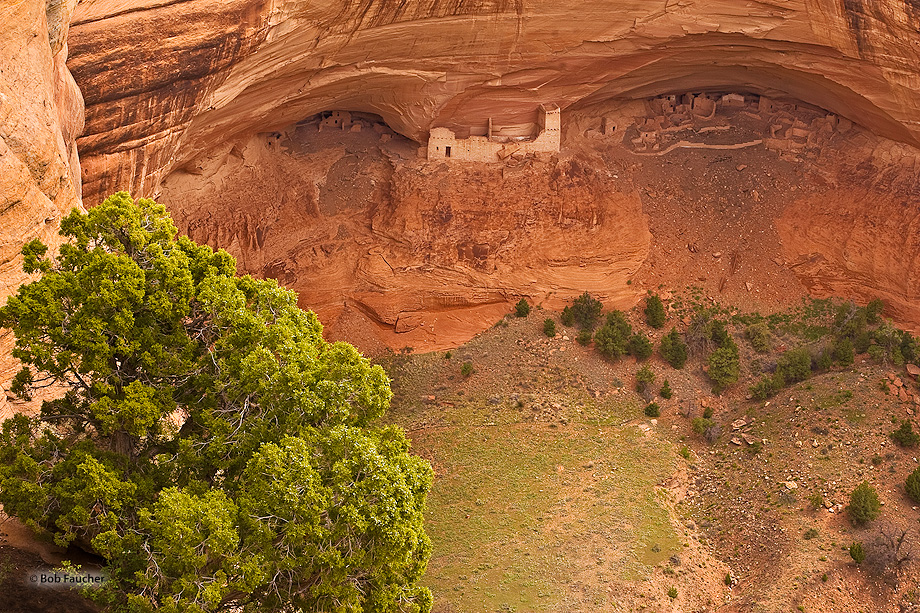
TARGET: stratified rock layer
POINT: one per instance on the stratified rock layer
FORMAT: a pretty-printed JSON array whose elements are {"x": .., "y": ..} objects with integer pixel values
[
  {"x": 429, "y": 255},
  {"x": 41, "y": 115},
  {"x": 166, "y": 81}
]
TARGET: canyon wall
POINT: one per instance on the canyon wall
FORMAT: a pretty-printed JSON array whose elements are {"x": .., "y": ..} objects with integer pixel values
[
  {"x": 167, "y": 80},
  {"x": 41, "y": 115}
]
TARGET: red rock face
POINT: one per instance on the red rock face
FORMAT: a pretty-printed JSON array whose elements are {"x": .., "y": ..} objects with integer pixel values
[
  {"x": 41, "y": 114},
  {"x": 171, "y": 85},
  {"x": 424, "y": 255},
  {"x": 168, "y": 81}
]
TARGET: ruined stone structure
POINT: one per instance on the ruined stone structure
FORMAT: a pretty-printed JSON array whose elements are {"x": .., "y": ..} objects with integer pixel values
[{"x": 443, "y": 143}]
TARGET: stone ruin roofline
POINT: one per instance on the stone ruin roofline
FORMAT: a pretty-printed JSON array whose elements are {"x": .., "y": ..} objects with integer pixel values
[{"x": 443, "y": 143}]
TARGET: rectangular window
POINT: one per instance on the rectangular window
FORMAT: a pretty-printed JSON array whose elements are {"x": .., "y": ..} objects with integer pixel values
[{"x": 446, "y": 151}]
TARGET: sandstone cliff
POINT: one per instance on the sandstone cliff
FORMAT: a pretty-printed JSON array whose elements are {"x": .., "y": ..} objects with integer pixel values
[
  {"x": 166, "y": 81},
  {"x": 41, "y": 115}
]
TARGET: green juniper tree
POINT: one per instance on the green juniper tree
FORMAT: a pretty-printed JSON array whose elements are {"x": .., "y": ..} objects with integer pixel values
[{"x": 206, "y": 440}]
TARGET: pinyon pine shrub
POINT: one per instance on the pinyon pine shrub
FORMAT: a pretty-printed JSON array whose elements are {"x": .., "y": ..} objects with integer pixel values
[
  {"x": 673, "y": 349},
  {"x": 864, "y": 504},
  {"x": 654, "y": 311},
  {"x": 522, "y": 308},
  {"x": 209, "y": 444},
  {"x": 912, "y": 485}
]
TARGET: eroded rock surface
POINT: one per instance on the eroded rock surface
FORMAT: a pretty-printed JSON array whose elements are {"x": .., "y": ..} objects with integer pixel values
[
  {"x": 427, "y": 254},
  {"x": 166, "y": 81},
  {"x": 41, "y": 115}
]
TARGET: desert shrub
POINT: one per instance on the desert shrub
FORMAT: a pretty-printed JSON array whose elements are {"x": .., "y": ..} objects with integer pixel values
[
  {"x": 794, "y": 365},
  {"x": 640, "y": 346},
  {"x": 584, "y": 337},
  {"x": 654, "y": 311},
  {"x": 857, "y": 552},
  {"x": 718, "y": 333},
  {"x": 864, "y": 504},
  {"x": 706, "y": 428},
  {"x": 850, "y": 320},
  {"x": 644, "y": 378},
  {"x": 708, "y": 412},
  {"x": 905, "y": 435},
  {"x": 724, "y": 366},
  {"x": 666, "y": 392},
  {"x": 652, "y": 410},
  {"x": 910, "y": 347},
  {"x": 448, "y": 355},
  {"x": 549, "y": 327},
  {"x": 522, "y": 308},
  {"x": 585, "y": 311},
  {"x": 843, "y": 352},
  {"x": 768, "y": 386},
  {"x": 876, "y": 353},
  {"x": 912, "y": 485},
  {"x": 810, "y": 534},
  {"x": 825, "y": 359},
  {"x": 698, "y": 336},
  {"x": 613, "y": 338},
  {"x": 758, "y": 335},
  {"x": 672, "y": 592},
  {"x": 816, "y": 501},
  {"x": 874, "y": 311},
  {"x": 684, "y": 452},
  {"x": 889, "y": 551},
  {"x": 673, "y": 349},
  {"x": 567, "y": 317},
  {"x": 862, "y": 342},
  {"x": 466, "y": 369}
]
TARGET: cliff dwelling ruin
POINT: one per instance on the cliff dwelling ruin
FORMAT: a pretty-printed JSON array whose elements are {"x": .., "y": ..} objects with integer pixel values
[{"x": 443, "y": 143}]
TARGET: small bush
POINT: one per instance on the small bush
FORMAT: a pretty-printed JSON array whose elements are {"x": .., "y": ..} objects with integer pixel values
[
  {"x": 759, "y": 336},
  {"x": 718, "y": 333},
  {"x": 640, "y": 346},
  {"x": 862, "y": 342},
  {"x": 843, "y": 351},
  {"x": 585, "y": 311},
  {"x": 448, "y": 355},
  {"x": 584, "y": 337},
  {"x": 874, "y": 310},
  {"x": 672, "y": 593},
  {"x": 724, "y": 366},
  {"x": 768, "y": 386},
  {"x": 728, "y": 579},
  {"x": 567, "y": 317},
  {"x": 666, "y": 392},
  {"x": 912, "y": 485},
  {"x": 825, "y": 359},
  {"x": 816, "y": 501},
  {"x": 857, "y": 553},
  {"x": 466, "y": 369},
  {"x": 864, "y": 504},
  {"x": 613, "y": 339},
  {"x": 705, "y": 427},
  {"x": 522, "y": 308},
  {"x": 905, "y": 435},
  {"x": 795, "y": 365},
  {"x": 644, "y": 378},
  {"x": 654, "y": 311},
  {"x": 673, "y": 349},
  {"x": 810, "y": 534},
  {"x": 549, "y": 327},
  {"x": 708, "y": 412},
  {"x": 685, "y": 452},
  {"x": 652, "y": 410}
]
